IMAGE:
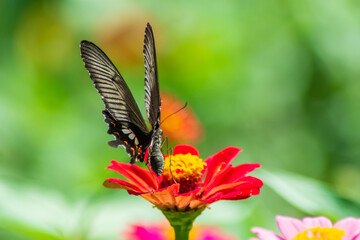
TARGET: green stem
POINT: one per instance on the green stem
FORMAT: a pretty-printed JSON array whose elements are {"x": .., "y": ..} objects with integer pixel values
[
  {"x": 181, "y": 233},
  {"x": 182, "y": 222}
]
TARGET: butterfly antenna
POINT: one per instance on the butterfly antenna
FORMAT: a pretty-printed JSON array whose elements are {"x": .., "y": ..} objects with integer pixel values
[{"x": 174, "y": 112}]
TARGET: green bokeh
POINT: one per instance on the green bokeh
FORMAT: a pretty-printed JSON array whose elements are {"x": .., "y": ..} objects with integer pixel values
[{"x": 279, "y": 79}]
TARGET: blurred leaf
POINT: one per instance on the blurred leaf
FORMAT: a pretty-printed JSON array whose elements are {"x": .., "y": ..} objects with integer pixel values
[
  {"x": 25, "y": 230},
  {"x": 309, "y": 195}
]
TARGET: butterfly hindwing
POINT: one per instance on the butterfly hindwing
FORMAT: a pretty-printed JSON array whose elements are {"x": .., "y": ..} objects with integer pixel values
[{"x": 129, "y": 136}]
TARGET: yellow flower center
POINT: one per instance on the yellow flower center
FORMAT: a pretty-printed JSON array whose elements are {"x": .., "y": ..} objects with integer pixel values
[
  {"x": 185, "y": 169},
  {"x": 320, "y": 234}
]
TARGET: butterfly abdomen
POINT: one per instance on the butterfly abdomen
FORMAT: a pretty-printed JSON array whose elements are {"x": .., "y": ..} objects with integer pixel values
[
  {"x": 156, "y": 156},
  {"x": 157, "y": 161}
]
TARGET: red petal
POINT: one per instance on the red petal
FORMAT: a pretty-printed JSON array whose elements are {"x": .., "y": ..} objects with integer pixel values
[
  {"x": 222, "y": 188},
  {"x": 233, "y": 174},
  {"x": 212, "y": 198},
  {"x": 256, "y": 182},
  {"x": 233, "y": 195},
  {"x": 218, "y": 161},
  {"x": 244, "y": 188},
  {"x": 116, "y": 183},
  {"x": 240, "y": 194},
  {"x": 185, "y": 202},
  {"x": 185, "y": 149},
  {"x": 243, "y": 169},
  {"x": 163, "y": 198},
  {"x": 146, "y": 154},
  {"x": 139, "y": 176}
]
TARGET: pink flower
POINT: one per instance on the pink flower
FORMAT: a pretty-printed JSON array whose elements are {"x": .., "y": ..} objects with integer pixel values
[
  {"x": 165, "y": 232},
  {"x": 312, "y": 228}
]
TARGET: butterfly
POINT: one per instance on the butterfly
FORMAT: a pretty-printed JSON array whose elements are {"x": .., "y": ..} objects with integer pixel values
[{"x": 121, "y": 112}]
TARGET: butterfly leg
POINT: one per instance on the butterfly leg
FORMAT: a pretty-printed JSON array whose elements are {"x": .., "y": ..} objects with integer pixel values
[
  {"x": 167, "y": 145},
  {"x": 169, "y": 153},
  {"x": 172, "y": 176},
  {"x": 165, "y": 139}
]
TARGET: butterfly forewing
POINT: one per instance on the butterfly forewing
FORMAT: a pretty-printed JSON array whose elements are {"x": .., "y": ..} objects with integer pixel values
[
  {"x": 153, "y": 101},
  {"x": 114, "y": 92},
  {"x": 152, "y": 95}
]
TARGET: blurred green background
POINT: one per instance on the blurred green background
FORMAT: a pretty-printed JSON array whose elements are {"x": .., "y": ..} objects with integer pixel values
[{"x": 279, "y": 79}]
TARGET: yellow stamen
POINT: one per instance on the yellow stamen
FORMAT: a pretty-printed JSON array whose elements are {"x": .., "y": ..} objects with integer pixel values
[
  {"x": 184, "y": 167},
  {"x": 320, "y": 234}
]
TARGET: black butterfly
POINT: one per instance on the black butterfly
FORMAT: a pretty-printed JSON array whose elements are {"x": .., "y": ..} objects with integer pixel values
[{"x": 122, "y": 113}]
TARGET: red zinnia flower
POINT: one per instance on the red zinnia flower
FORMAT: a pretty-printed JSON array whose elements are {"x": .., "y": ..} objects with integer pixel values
[{"x": 187, "y": 182}]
